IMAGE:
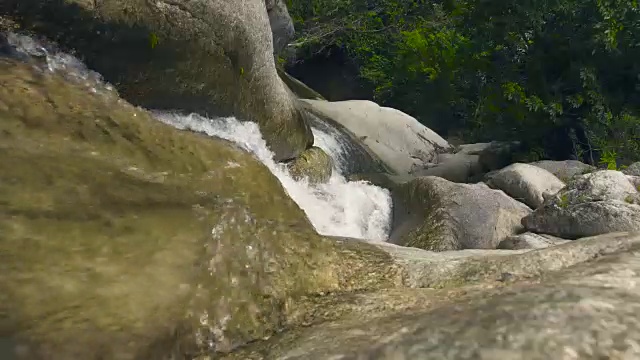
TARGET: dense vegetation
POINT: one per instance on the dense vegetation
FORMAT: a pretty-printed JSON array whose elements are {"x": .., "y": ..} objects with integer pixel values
[{"x": 563, "y": 76}]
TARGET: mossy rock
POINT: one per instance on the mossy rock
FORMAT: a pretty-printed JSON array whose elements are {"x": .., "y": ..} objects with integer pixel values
[
  {"x": 123, "y": 238},
  {"x": 210, "y": 57},
  {"x": 313, "y": 164}
]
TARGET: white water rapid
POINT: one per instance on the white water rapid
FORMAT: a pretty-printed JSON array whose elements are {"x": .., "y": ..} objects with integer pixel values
[{"x": 340, "y": 207}]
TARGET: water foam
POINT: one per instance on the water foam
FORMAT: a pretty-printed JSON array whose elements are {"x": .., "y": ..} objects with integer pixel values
[{"x": 340, "y": 207}]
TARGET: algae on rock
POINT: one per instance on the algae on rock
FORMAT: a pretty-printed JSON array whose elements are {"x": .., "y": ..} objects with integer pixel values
[
  {"x": 121, "y": 237},
  {"x": 313, "y": 164}
]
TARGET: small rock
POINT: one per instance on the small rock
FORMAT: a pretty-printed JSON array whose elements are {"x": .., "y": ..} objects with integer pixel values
[
  {"x": 525, "y": 183},
  {"x": 313, "y": 164}
]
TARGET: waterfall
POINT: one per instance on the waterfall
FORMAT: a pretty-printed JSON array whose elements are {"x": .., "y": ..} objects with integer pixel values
[{"x": 339, "y": 207}]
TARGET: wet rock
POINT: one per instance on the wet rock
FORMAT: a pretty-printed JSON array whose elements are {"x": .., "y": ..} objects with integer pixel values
[
  {"x": 591, "y": 204},
  {"x": 525, "y": 183},
  {"x": 124, "y": 238},
  {"x": 564, "y": 170},
  {"x": 435, "y": 214},
  {"x": 313, "y": 164},
  {"x": 398, "y": 139},
  {"x": 209, "y": 57}
]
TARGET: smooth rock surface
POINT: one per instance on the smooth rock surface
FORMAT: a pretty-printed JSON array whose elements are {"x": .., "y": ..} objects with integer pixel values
[
  {"x": 589, "y": 310},
  {"x": 212, "y": 57},
  {"x": 435, "y": 214},
  {"x": 470, "y": 161},
  {"x": 395, "y": 137},
  {"x": 564, "y": 170},
  {"x": 281, "y": 24},
  {"x": 525, "y": 183}
]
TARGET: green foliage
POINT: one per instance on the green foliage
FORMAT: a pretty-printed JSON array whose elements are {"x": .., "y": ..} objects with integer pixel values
[
  {"x": 608, "y": 158},
  {"x": 563, "y": 201},
  {"x": 561, "y": 75}
]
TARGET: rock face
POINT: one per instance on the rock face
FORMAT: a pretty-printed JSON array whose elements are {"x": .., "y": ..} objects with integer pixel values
[
  {"x": 587, "y": 310},
  {"x": 591, "y": 204},
  {"x": 281, "y": 24},
  {"x": 633, "y": 169},
  {"x": 525, "y": 183},
  {"x": 435, "y": 214},
  {"x": 530, "y": 241},
  {"x": 564, "y": 170},
  {"x": 395, "y": 137},
  {"x": 313, "y": 164},
  {"x": 205, "y": 56},
  {"x": 123, "y": 238}
]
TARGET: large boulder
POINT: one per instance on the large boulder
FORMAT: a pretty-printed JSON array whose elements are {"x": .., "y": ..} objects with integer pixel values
[
  {"x": 592, "y": 204},
  {"x": 435, "y": 214},
  {"x": 588, "y": 310},
  {"x": 281, "y": 24},
  {"x": 204, "y": 56},
  {"x": 398, "y": 139},
  {"x": 525, "y": 183},
  {"x": 124, "y": 238},
  {"x": 564, "y": 170},
  {"x": 313, "y": 164}
]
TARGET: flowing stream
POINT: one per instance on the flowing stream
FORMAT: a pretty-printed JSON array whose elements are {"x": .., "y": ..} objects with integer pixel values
[{"x": 340, "y": 207}]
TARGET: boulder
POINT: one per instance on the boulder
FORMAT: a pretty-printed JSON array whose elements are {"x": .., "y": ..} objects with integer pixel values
[
  {"x": 591, "y": 204},
  {"x": 313, "y": 164},
  {"x": 633, "y": 169},
  {"x": 124, "y": 238},
  {"x": 203, "y": 56},
  {"x": 470, "y": 161},
  {"x": 525, "y": 183},
  {"x": 459, "y": 167},
  {"x": 530, "y": 241},
  {"x": 435, "y": 214},
  {"x": 499, "y": 154},
  {"x": 587, "y": 310},
  {"x": 281, "y": 24},
  {"x": 564, "y": 170},
  {"x": 398, "y": 139}
]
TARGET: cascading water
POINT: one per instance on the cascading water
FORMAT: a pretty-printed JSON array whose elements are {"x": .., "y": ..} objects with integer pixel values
[{"x": 339, "y": 207}]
